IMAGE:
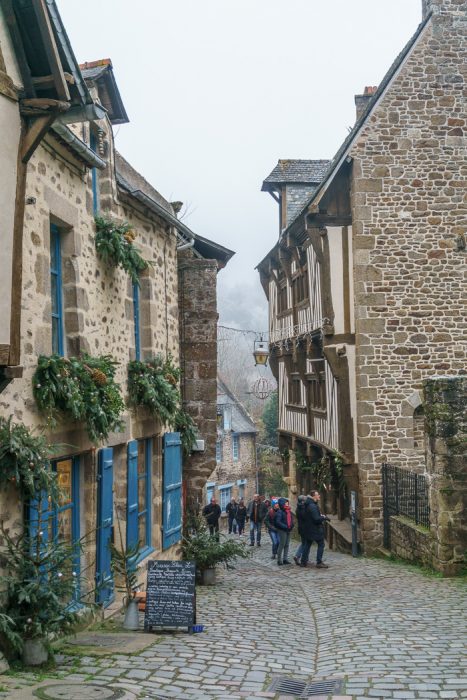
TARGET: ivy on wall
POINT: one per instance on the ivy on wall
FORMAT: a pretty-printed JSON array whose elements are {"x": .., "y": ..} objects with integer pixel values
[
  {"x": 115, "y": 246},
  {"x": 154, "y": 384},
  {"x": 83, "y": 389}
]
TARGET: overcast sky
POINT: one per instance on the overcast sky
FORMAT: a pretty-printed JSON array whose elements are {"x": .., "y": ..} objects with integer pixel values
[{"x": 218, "y": 90}]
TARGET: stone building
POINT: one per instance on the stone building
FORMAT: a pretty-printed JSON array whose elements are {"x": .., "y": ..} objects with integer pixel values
[
  {"x": 376, "y": 256},
  {"x": 236, "y": 471},
  {"x": 72, "y": 302}
]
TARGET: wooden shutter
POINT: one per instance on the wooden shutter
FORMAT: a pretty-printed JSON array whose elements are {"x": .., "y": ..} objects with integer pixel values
[
  {"x": 104, "y": 578},
  {"x": 172, "y": 504},
  {"x": 132, "y": 495}
]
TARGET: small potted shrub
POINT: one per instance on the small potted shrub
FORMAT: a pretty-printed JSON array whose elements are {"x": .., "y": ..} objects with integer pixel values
[{"x": 206, "y": 551}]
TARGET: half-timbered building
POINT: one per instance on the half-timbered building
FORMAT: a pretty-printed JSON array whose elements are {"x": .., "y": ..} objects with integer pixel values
[{"x": 380, "y": 243}]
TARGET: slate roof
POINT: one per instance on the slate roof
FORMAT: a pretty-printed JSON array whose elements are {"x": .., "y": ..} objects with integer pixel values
[
  {"x": 241, "y": 421},
  {"x": 304, "y": 171},
  {"x": 101, "y": 73}
]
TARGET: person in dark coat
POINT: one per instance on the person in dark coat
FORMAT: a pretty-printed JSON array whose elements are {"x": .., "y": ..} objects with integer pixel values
[
  {"x": 241, "y": 516},
  {"x": 312, "y": 530},
  {"x": 212, "y": 513},
  {"x": 284, "y": 523},
  {"x": 231, "y": 511},
  {"x": 271, "y": 528},
  {"x": 256, "y": 512},
  {"x": 299, "y": 515}
]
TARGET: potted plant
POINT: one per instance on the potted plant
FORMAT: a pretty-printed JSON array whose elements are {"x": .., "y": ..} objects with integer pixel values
[
  {"x": 206, "y": 551},
  {"x": 39, "y": 587}
]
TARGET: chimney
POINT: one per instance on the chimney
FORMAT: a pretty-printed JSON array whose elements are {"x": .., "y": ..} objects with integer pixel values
[{"x": 361, "y": 101}]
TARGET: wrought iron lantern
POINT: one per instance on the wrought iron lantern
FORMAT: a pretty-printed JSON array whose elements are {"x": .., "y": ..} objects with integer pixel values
[{"x": 261, "y": 353}]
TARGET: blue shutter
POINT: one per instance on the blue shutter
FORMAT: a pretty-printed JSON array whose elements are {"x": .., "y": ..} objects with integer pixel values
[
  {"x": 104, "y": 579},
  {"x": 172, "y": 503},
  {"x": 132, "y": 495}
]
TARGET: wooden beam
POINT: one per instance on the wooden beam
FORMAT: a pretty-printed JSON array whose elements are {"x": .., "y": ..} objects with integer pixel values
[
  {"x": 41, "y": 106},
  {"x": 17, "y": 267},
  {"x": 51, "y": 49},
  {"x": 20, "y": 53},
  {"x": 35, "y": 134},
  {"x": 4, "y": 354},
  {"x": 45, "y": 81}
]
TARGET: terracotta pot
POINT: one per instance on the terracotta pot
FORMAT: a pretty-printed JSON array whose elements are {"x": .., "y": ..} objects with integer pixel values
[{"x": 34, "y": 652}]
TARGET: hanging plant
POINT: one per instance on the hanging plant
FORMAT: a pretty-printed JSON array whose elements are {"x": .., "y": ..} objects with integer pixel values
[
  {"x": 154, "y": 384},
  {"x": 115, "y": 246},
  {"x": 83, "y": 389},
  {"x": 327, "y": 472},
  {"x": 24, "y": 461},
  {"x": 185, "y": 425}
]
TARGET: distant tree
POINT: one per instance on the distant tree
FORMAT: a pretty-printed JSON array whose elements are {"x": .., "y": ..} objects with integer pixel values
[{"x": 270, "y": 419}]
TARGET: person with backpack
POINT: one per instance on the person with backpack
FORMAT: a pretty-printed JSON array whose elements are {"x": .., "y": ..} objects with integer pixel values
[{"x": 284, "y": 522}]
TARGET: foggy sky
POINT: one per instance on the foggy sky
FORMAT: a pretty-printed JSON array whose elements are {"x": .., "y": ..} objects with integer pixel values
[{"x": 218, "y": 90}]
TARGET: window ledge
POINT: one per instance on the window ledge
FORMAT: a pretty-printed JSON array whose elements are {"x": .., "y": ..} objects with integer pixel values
[{"x": 145, "y": 552}]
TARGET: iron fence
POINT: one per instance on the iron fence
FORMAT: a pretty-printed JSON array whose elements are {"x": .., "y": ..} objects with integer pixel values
[{"x": 404, "y": 493}]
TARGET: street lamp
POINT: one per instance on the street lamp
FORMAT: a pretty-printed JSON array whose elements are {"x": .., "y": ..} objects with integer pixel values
[{"x": 261, "y": 353}]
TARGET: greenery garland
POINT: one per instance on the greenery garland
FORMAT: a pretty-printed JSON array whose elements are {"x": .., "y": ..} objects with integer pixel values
[
  {"x": 82, "y": 388},
  {"x": 114, "y": 245},
  {"x": 327, "y": 472},
  {"x": 154, "y": 384},
  {"x": 24, "y": 461}
]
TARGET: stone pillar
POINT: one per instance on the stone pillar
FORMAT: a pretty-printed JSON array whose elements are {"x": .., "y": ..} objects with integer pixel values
[
  {"x": 198, "y": 360},
  {"x": 446, "y": 425},
  {"x": 291, "y": 479}
]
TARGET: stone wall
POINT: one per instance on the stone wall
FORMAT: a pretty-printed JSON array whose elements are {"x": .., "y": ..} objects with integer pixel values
[
  {"x": 410, "y": 541},
  {"x": 229, "y": 471},
  {"x": 446, "y": 421},
  {"x": 198, "y": 351},
  {"x": 408, "y": 187},
  {"x": 98, "y": 314}
]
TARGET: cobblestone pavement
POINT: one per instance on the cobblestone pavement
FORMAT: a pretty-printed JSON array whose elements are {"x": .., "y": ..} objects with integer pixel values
[{"x": 384, "y": 630}]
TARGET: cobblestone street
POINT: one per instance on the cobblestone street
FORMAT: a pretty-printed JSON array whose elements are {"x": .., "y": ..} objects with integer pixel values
[{"x": 383, "y": 630}]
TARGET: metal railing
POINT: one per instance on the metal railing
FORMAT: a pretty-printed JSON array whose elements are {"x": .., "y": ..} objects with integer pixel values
[{"x": 404, "y": 493}]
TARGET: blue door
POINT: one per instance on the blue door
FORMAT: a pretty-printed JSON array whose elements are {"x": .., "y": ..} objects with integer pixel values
[
  {"x": 104, "y": 580},
  {"x": 172, "y": 503}
]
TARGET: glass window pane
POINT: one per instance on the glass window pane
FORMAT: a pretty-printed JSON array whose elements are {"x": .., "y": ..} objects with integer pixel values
[
  {"x": 53, "y": 282},
  {"x": 142, "y": 531},
  {"x": 141, "y": 494},
  {"x": 55, "y": 334},
  {"x": 63, "y": 469},
  {"x": 64, "y": 533}
]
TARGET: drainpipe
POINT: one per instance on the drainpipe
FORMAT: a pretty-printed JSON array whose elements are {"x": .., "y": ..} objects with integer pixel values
[{"x": 187, "y": 245}]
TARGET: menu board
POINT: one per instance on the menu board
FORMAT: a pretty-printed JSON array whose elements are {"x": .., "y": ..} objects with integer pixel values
[{"x": 170, "y": 594}]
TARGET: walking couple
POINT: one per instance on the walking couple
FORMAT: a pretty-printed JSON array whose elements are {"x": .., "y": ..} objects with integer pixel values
[{"x": 280, "y": 523}]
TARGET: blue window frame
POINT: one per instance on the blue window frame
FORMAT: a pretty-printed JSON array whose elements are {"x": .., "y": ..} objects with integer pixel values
[
  {"x": 136, "y": 317},
  {"x": 241, "y": 483},
  {"x": 62, "y": 522},
  {"x": 94, "y": 176},
  {"x": 225, "y": 494},
  {"x": 139, "y": 496},
  {"x": 218, "y": 451},
  {"x": 56, "y": 290},
  {"x": 235, "y": 447},
  {"x": 210, "y": 492}
]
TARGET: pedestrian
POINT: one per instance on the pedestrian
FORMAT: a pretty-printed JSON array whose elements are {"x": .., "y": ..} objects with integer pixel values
[
  {"x": 256, "y": 512},
  {"x": 241, "y": 516},
  {"x": 299, "y": 515},
  {"x": 284, "y": 522},
  {"x": 313, "y": 530},
  {"x": 231, "y": 511},
  {"x": 212, "y": 513},
  {"x": 271, "y": 528}
]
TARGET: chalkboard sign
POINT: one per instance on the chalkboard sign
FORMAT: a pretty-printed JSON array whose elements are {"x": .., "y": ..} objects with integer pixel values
[{"x": 170, "y": 594}]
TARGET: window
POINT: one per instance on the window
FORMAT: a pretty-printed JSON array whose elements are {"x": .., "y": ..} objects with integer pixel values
[
  {"x": 235, "y": 447},
  {"x": 94, "y": 176},
  {"x": 419, "y": 428},
  {"x": 317, "y": 387},
  {"x": 56, "y": 290},
  {"x": 218, "y": 451},
  {"x": 300, "y": 288},
  {"x": 139, "y": 495},
  {"x": 136, "y": 318},
  {"x": 241, "y": 488},
  {"x": 295, "y": 391},
  {"x": 61, "y": 522},
  {"x": 282, "y": 298},
  {"x": 225, "y": 495},
  {"x": 209, "y": 492}
]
